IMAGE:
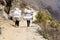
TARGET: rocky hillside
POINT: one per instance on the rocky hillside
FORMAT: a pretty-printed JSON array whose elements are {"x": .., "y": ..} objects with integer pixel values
[{"x": 53, "y": 6}]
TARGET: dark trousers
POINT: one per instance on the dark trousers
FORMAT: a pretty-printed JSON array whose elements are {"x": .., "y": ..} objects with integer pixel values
[
  {"x": 28, "y": 23},
  {"x": 17, "y": 23},
  {"x": 10, "y": 18}
]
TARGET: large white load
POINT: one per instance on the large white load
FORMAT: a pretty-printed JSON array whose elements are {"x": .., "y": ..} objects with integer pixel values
[
  {"x": 16, "y": 13},
  {"x": 28, "y": 14}
]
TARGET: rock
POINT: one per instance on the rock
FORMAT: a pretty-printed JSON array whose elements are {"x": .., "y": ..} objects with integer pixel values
[
  {"x": 5, "y": 15},
  {"x": 37, "y": 27}
]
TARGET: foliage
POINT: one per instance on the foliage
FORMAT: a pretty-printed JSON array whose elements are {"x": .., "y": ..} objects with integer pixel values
[{"x": 41, "y": 18}]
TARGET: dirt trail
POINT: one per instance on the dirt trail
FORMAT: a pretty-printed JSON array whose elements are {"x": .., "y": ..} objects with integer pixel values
[{"x": 9, "y": 32}]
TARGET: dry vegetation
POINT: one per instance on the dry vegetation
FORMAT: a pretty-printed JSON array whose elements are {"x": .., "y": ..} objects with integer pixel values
[{"x": 50, "y": 27}]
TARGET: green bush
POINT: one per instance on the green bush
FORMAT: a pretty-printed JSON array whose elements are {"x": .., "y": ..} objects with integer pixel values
[
  {"x": 43, "y": 15},
  {"x": 41, "y": 18}
]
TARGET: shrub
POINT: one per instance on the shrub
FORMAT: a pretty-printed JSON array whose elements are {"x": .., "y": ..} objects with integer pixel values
[
  {"x": 53, "y": 27},
  {"x": 42, "y": 16}
]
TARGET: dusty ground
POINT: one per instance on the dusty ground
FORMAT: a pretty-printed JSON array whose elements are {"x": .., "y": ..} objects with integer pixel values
[{"x": 9, "y": 32}]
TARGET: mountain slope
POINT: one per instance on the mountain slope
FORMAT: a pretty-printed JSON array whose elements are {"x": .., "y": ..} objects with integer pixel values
[{"x": 51, "y": 5}]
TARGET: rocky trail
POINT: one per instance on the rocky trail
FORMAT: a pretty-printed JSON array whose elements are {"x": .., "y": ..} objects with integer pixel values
[{"x": 9, "y": 32}]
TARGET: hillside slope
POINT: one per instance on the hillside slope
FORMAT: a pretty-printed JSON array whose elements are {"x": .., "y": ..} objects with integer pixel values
[{"x": 53, "y": 6}]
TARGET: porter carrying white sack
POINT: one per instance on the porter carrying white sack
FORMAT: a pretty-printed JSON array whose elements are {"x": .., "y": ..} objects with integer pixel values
[{"x": 28, "y": 14}]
